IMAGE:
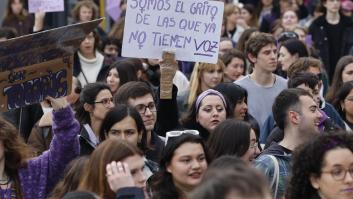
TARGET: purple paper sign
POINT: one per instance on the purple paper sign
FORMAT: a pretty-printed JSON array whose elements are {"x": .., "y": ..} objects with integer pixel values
[
  {"x": 113, "y": 9},
  {"x": 190, "y": 28},
  {"x": 45, "y": 6}
]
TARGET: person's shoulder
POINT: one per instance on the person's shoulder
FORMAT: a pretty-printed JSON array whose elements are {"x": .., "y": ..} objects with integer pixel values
[
  {"x": 243, "y": 81},
  {"x": 280, "y": 81},
  {"x": 280, "y": 78},
  {"x": 318, "y": 21},
  {"x": 347, "y": 21},
  {"x": 265, "y": 162}
]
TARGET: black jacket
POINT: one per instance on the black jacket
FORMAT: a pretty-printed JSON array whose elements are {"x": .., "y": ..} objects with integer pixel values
[
  {"x": 24, "y": 118},
  {"x": 86, "y": 145},
  {"x": 320, "y": 39},
  {"x": 130, "y": 193}
]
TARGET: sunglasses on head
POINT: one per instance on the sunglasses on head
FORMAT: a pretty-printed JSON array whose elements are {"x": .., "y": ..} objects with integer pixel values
[
  {"x": 287, "y": 35},
  {"x": 171, "y": 134}
]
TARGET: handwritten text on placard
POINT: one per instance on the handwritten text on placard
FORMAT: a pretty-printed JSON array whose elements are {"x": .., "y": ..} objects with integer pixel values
[
  {"x": 45, "y": 6},
  {"x": 191, "y": 27}
]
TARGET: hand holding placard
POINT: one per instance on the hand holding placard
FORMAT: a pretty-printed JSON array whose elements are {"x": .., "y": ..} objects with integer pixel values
[{"x": 168, "y": 68}]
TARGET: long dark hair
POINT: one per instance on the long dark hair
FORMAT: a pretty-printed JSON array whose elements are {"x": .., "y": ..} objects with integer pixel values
[
  {"x": 295, "y": 46},
  {"x": 116, "y": 115},
  {"x": 340, "y": 96},
  {"x": 125, "y": 69},
  {"x": 162, "y": 184},
  {"x": 337, "y": 76},
  {"x": 230, "y": 137},
  {"x": 233, "y": 93}
]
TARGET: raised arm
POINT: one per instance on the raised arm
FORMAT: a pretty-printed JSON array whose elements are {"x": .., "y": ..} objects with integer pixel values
[{"x": 42, "y": 173}]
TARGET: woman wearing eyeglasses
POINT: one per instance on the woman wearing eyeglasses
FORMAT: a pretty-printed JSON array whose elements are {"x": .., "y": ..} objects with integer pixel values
[
  {"x": 183, "y": 163},
  {"x": 232, "y": 137},
  {"x": 323, "y": 168},
  {"x": 96, "y": 100},
  {"x": 125, "y": 123},
  {"x": 208, "y": 110}
]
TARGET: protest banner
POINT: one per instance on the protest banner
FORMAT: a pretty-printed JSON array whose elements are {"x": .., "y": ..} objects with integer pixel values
[
  {"x": 39, "y": 65},
  {"x": 31, "y": 84},
  {"x": 45, "y": 6},
  {"x": 191, "y": 28}
]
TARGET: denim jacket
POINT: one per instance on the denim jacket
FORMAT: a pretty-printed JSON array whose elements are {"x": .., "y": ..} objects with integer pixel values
[{"x": 266, "y": 165}]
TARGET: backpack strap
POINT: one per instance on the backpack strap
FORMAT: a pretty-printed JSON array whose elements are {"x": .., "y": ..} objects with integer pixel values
[{"x": 275, "y": 178}]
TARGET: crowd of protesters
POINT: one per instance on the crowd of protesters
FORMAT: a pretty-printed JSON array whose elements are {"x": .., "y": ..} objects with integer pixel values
[{"x": 273, "y": 118}]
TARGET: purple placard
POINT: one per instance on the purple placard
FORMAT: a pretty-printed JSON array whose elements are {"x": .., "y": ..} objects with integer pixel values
[
  {"x": 113, "y": 9},
  {"x": 45, "y": 6}
]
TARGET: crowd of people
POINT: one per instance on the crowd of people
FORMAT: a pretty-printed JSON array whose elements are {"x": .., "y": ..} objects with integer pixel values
[{"x": 273, "y": 118}]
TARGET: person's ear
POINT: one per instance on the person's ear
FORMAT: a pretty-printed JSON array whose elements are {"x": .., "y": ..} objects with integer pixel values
[
  {"x": 314, "y": 181},
  {"x": 294, "y": 117},
  {"x": 342, "y": 106},
  {"x": 251, "y": 58},
  {"x": 169, "y": 169},
  {"x": 88, "y": 107}
]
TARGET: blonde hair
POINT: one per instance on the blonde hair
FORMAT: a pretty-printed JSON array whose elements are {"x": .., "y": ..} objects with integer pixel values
[
  {"x": 195, "y": 80},
  {"x": 229, "y": 9}
]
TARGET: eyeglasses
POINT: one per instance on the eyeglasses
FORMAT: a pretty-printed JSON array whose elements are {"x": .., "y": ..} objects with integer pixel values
[
  {"x": 339, "y": 173},
  {"x": 105, "y": 101},
  {"x": 254, "y": 146},
  {"x": 141, "y": 108},
  {"x": 171, "y": 134}
]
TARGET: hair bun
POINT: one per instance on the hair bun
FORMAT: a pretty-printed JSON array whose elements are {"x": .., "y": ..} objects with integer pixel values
[{"x": 78, "y": 90}]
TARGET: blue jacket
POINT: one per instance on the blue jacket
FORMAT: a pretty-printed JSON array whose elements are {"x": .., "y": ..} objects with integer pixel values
[{"x": 266, "y": 165}]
